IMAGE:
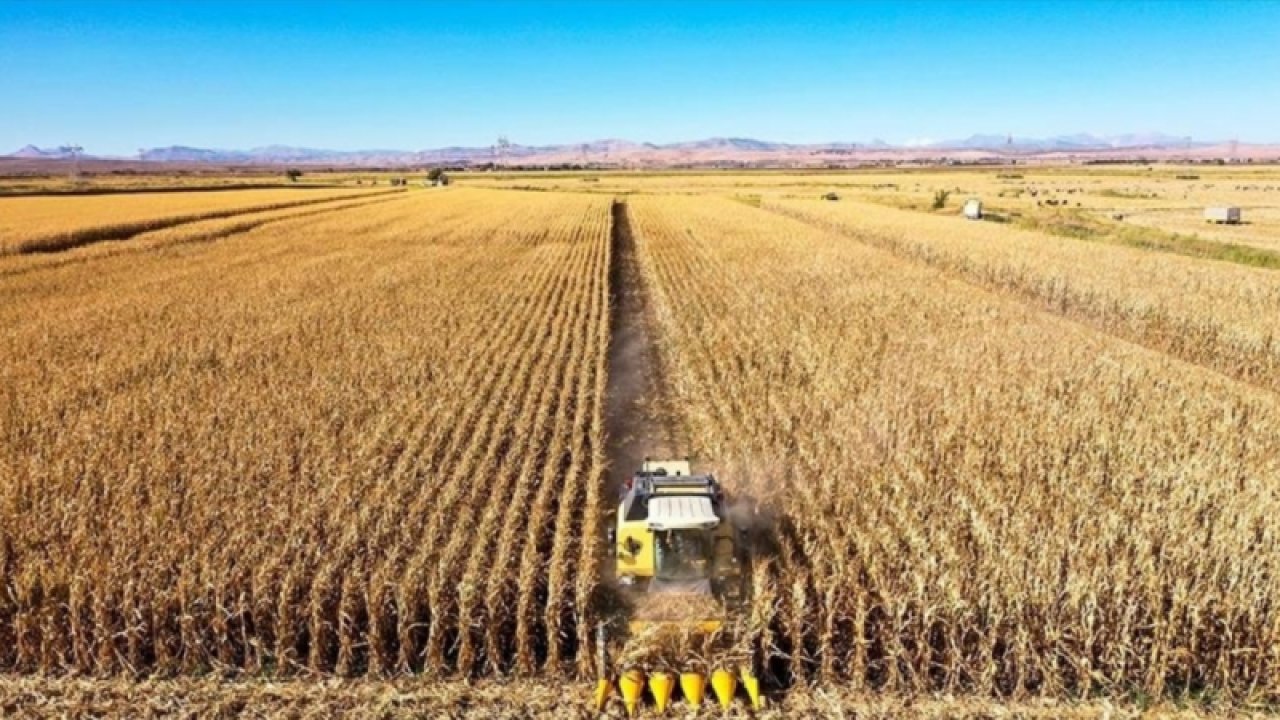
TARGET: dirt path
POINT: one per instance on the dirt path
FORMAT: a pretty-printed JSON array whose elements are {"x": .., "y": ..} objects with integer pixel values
[{"x": 636, "y": 418}]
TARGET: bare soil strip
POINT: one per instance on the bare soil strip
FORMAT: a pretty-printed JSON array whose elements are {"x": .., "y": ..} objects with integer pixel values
[{"x": 637, "y": 420}]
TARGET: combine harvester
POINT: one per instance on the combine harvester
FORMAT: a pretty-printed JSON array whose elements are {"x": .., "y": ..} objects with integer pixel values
[{"x": 681, "y": 568}]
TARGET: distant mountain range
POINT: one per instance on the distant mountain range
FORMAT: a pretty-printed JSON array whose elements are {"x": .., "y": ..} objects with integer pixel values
[
  {"x": 31, "y": 152},
  {"x": 711, "y": 150},
  {"x": 1078, "y": 141}
]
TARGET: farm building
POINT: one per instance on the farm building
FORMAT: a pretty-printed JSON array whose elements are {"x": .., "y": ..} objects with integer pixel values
[
  {"x": 973, "y": 209},
  {"x": 1222, "y": 214}
]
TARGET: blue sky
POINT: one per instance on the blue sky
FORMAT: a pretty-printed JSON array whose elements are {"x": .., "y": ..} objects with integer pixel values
[{"x": 117, "y": 76}]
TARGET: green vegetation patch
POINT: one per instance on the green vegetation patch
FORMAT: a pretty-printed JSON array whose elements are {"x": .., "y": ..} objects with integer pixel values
[{"x": 1081, "y": 227}]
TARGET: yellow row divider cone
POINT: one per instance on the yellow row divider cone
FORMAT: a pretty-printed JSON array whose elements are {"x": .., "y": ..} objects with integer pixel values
[
  {"x": 724, "y": 683},
  {"x": 661, "y": 684},
  {"x": 694, "y": 687},
  {"x": 751, "y": 684},
  {"x": 603, "y": 689},
  {"x": 632, "y": 685}
]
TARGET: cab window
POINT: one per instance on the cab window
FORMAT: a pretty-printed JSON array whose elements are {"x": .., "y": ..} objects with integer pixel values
[{"x": 638, "y": 510}]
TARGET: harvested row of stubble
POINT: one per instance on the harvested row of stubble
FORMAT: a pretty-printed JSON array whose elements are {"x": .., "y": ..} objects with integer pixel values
[
  {"x": 51, "y": 224},
  {"x": 1219, "y": 315},
  {"x": 37, "y": 698},
  {"x": 968, "y": 495},
  {"x": 258, "y": 455},
  {"x": 198, "y": 231}
]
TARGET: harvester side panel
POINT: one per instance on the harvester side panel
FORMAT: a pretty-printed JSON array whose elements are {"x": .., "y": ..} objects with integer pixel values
[{"x": 635, "y": 536}]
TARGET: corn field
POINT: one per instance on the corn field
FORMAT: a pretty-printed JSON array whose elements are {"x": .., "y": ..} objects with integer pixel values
[
  {"x": 970, "y": 495},
  {"x": 52, "y": 224},
  {"x": 1223, "y": 316},
  {"x": 363, "y": 436},
  {"x": 361, "y": 441}
]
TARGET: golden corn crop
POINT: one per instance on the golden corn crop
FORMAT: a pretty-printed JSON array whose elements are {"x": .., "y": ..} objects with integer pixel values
[
  {"x": 365, "y": 437},
  {"x": 965, "y": 493},
  {"x": 1220, "y": 315},
  {"x": 355, "y": 441},
  {"x": 53, "y": 223}
]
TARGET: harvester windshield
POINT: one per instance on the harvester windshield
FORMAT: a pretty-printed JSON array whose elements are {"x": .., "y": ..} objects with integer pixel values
[{"x": 682, "y": 555}]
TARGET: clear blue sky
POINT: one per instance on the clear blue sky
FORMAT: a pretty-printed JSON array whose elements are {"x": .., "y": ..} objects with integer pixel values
[{"x": 117, "y": 76}]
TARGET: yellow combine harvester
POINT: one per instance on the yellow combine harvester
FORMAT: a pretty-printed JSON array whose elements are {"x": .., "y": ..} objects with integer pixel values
[{"x": 681, "y": 564}]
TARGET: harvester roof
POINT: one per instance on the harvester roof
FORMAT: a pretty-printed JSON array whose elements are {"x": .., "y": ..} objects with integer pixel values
[{"x": 675, "y": 512}]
